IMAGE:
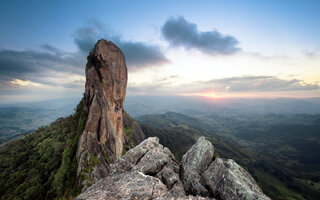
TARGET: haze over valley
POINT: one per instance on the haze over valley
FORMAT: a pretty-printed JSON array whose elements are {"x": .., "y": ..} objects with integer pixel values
[{"x": 160, "y": 99}]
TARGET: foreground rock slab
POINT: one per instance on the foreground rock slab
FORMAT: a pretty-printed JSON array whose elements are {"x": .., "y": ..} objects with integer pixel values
[
  {"x": 150, "y": 171},
  {"x": 130, "y": 185}
]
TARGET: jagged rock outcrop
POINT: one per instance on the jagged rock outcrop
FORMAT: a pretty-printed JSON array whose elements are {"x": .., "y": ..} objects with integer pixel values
[
  {"x": 193, "y": 164},
  {"x": 226, "y": 179},
  {"x": 104, "y": 137},
  {"x": 203, "y": 174},
  {"x": 150, "y": 171}
]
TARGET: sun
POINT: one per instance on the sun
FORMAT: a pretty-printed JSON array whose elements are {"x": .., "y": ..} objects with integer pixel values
[{"x": 211, "y": 95}]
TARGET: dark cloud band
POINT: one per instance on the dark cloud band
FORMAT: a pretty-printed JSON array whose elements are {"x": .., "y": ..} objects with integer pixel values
[
  {"x": 179, "y": 32},
  {"x": 138, "y": 54},
  {"x": 30, "y": 63}
]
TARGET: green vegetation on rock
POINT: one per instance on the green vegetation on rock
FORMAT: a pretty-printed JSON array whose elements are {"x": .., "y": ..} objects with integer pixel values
[
  {"x": 43, "y": 164},
  {"x": 90, "y": 161},
  {"x": 132, "y": 133},
  {"x": 216, "y": 155}
]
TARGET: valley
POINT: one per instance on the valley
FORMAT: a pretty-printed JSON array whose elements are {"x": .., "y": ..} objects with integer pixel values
[{"x": 285, "y": 168}]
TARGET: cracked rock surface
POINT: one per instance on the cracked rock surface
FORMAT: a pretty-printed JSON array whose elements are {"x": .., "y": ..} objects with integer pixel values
[
  {"x": 227, "y": 180},
  {"x": 150, "y": 171},
  {"x": 193, "y": 164}
]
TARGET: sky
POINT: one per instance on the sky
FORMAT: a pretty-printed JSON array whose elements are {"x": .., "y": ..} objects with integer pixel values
[{"x": 206, "y": 48}]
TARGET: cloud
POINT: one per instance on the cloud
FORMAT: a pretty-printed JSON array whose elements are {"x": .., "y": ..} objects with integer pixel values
[
  {"x": 310, "y": 54},
  {"x": 259, "y": 84},
  {"x": 32, "y": 63},
  {"x": 225, "y": 85},
  {"x": 51, "y": 49},
  {"x": 47, "y": 68},
  {"x": 138, "y": 54},
  {"x": 86, "y": 36},
  {"x": 53, "y": 67},
  {"x": 179, "y": 32},
  {"x": 25, "y": 83}
]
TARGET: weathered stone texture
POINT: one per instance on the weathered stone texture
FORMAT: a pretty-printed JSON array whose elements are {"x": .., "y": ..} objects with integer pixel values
[
  {"x": 150, "y": 171},
  {"x": 103, "y": 139}
]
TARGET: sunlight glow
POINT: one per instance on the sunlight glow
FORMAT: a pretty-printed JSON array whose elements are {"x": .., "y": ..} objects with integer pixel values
[{"x": 20, "y": 82}]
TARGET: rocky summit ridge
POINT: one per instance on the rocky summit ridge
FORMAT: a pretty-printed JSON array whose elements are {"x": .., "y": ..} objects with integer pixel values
[
  {"x": 115, "y": 162},
  {"x": 150, "y": 171}
]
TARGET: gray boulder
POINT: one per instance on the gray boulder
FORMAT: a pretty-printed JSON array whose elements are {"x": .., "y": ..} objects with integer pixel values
[
  {"x": 150, "y": 171},
  {"x": 193, "y": 164},
  {"x": 128, "y": 185},
  {"x": 227, "y": 180}
]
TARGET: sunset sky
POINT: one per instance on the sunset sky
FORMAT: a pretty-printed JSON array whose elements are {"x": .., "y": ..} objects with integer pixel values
[{"x": 208, "y": 48}]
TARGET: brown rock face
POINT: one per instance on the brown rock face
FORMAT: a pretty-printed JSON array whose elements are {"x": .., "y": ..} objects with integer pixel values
[{"x": 105, "y": 90}]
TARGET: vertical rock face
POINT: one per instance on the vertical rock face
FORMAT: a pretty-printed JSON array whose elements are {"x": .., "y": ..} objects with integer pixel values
[
  {"x": 105, "y": 91},
  {"x": 103, "y": 138}
]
